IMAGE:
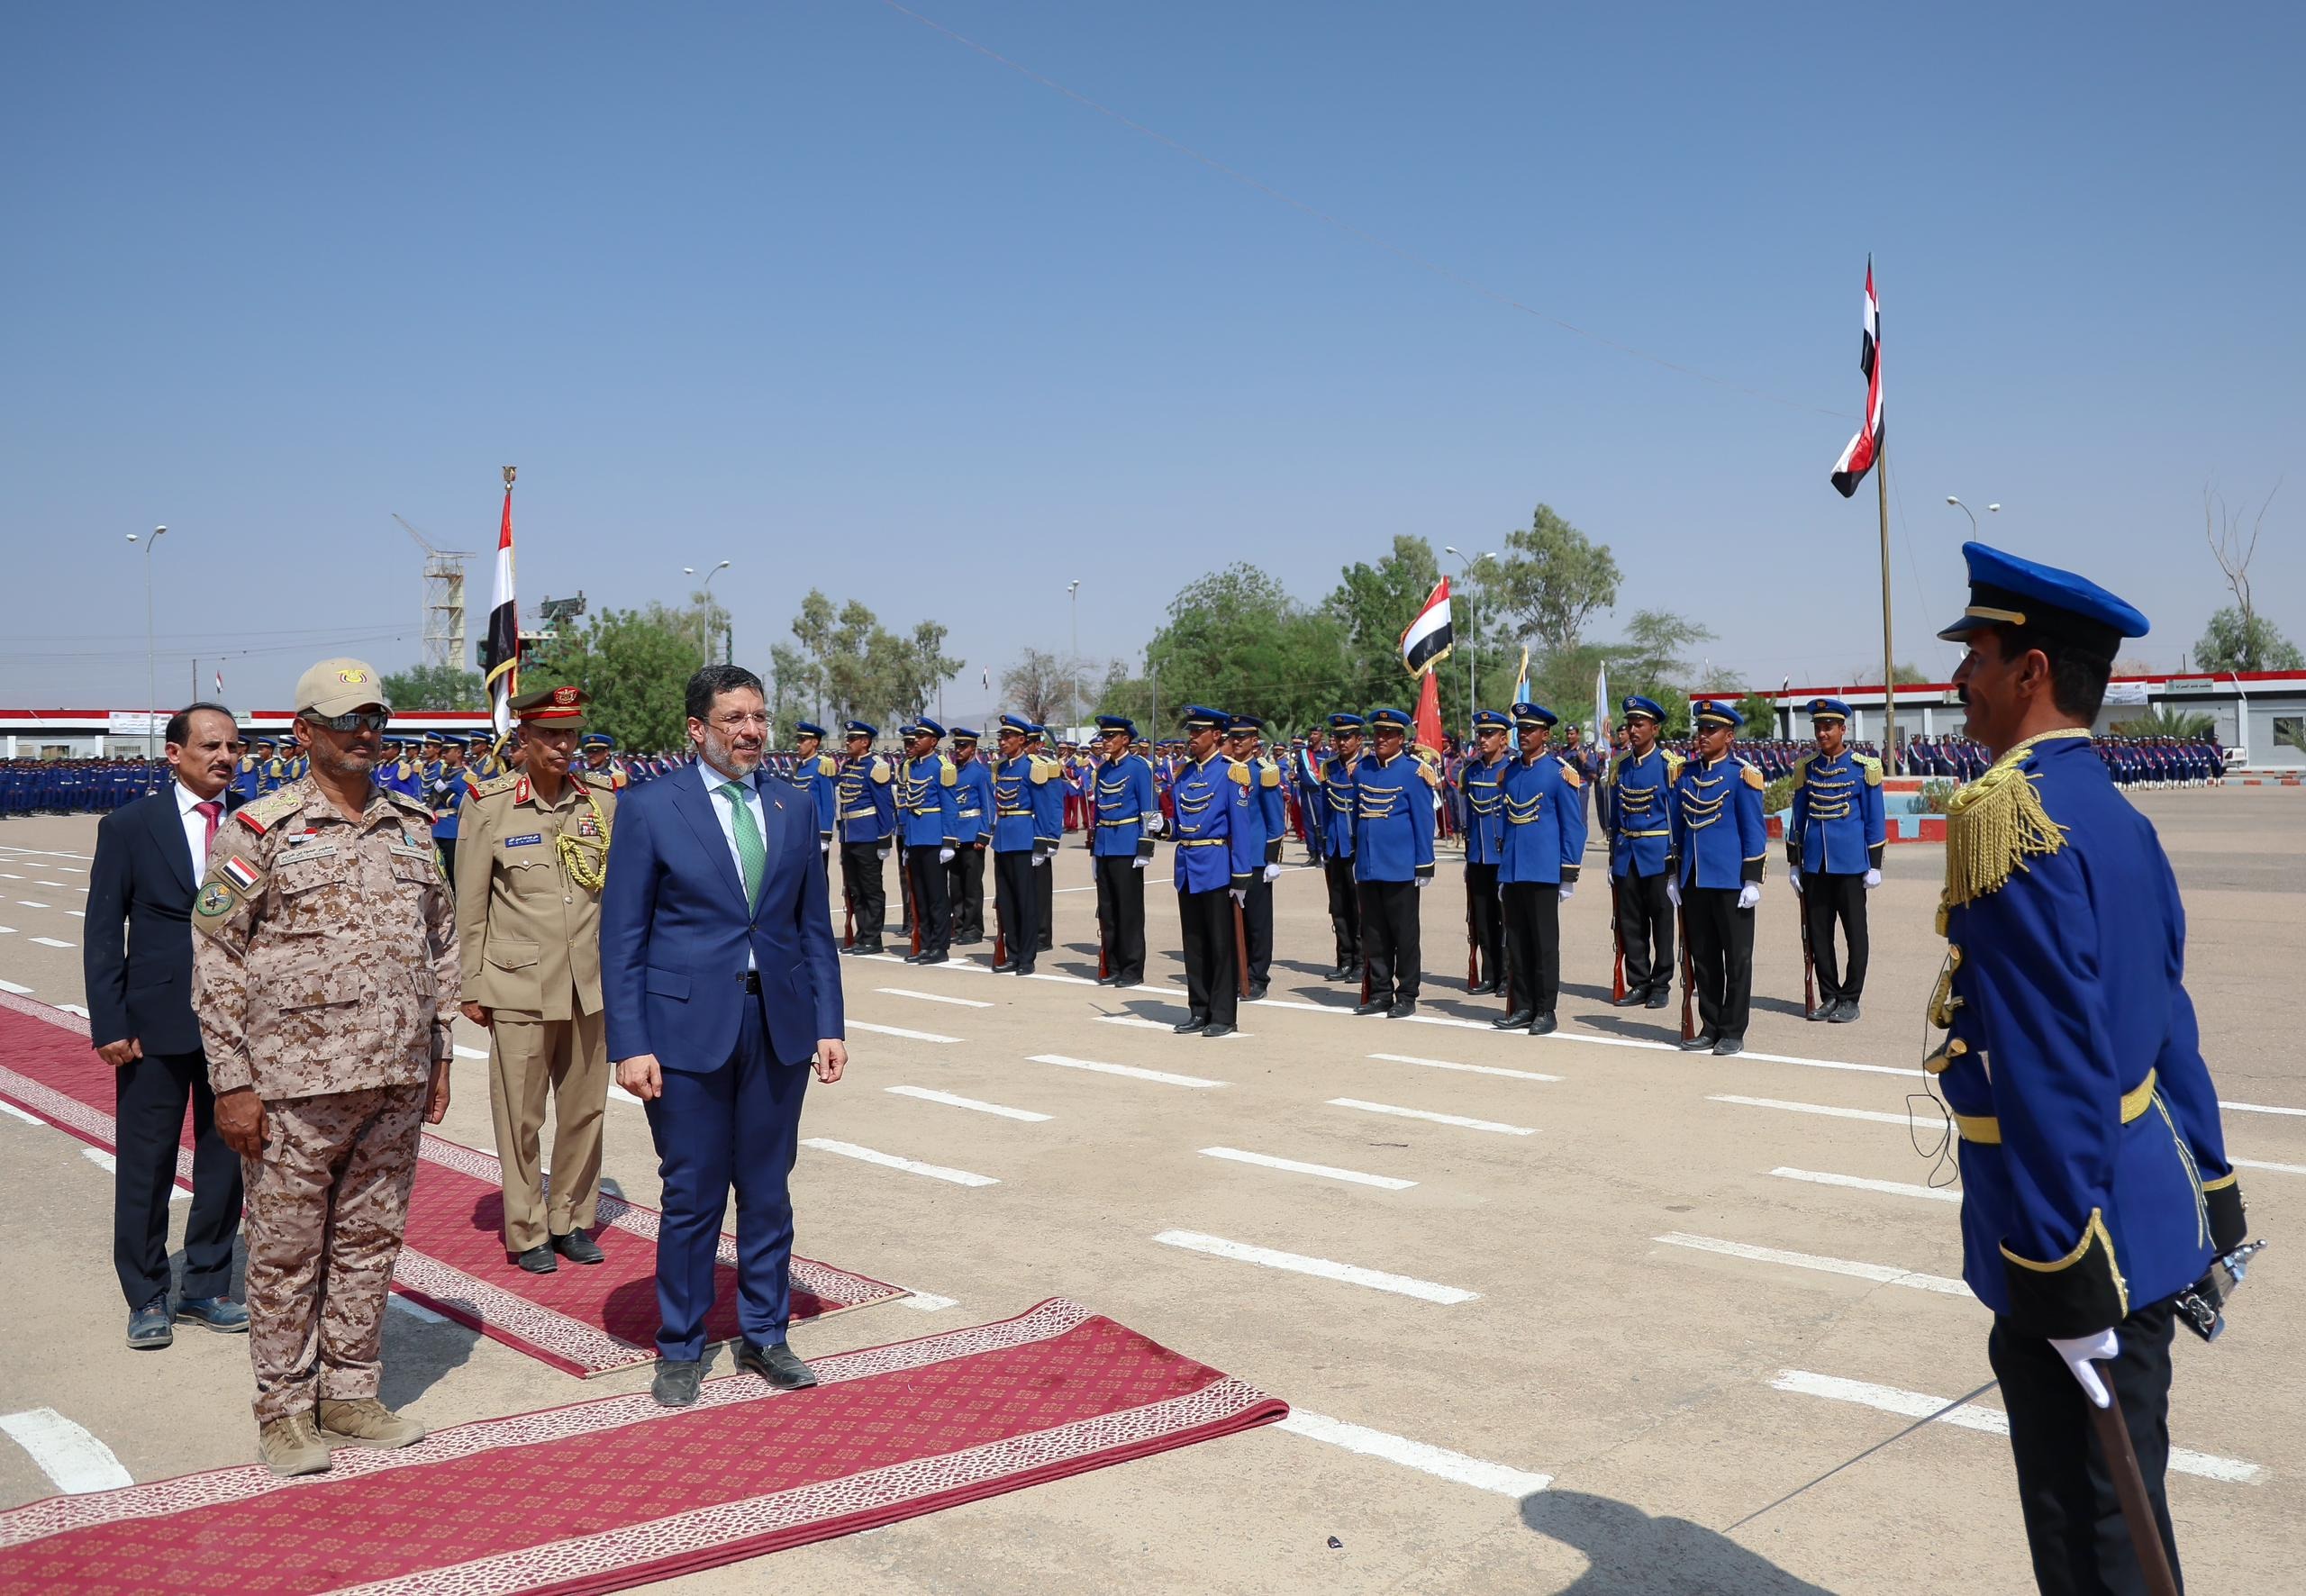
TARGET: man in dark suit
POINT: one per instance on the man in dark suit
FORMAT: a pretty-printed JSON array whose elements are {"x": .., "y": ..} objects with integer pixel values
[
  {"x": 721, "y": 981},
  {"x": 149, "y": 857}
]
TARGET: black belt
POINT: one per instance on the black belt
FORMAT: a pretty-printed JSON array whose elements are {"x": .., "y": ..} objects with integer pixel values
[{"x": 750, "y": 981}]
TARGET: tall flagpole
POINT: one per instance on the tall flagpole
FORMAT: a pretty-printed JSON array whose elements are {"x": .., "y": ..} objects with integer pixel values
[{"x": 1889, "y": 670}]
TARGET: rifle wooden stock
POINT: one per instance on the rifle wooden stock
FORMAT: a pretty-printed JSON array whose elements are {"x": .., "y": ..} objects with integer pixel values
[
  {"x": 1617, "y": 940},
  {"x": 1809, "y": 962},
  {"x": 1473, "y": 937},
  {"x": 848, "y": 917},
  {"x": 999, "y": 929},
  {"x": 1241, "y": 944},
  {"x": 2129, "y": 1486},
  {"x": 1689, "y": 976}
]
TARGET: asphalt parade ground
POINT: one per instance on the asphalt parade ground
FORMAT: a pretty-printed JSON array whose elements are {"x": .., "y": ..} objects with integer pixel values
[{"x": 1552, "y": 1314}]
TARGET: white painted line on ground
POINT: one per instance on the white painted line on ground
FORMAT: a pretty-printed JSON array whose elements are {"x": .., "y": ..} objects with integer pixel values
[
  {"x": 1274, "y": 1003},
  {"x": 67, "y": 1454},
  {"x": 950, "y": 1101},
  {"x": 1130, "y": 1070},
  {"x": 1858, "y": 1183},
  {"x": 927, "y": 1302},
  {"x": 935, "y": 1172},
  {"x": 1159, "y": 986},
  {"x": 961, "y": 963},
  {"x": 1067, "y": 980},
  {"x": 5, "y": 876},
  {"x": 1073, "y": 889},
  {"x": 899, "y": 1030},
  {"x": 100, "y": 1159},
  {"x": 1326, "y": 1171},
  {"x": 1400, "y": 1285},
  {"x": 8, "y": 930},
  {"x": 50, "y": 942},
  {"x": 1457, "y": 1120},
  {"x": 1438, "y": 1020},
  {"x": 75, "y": 1009},
  {"x": 77, "y": 914},
  {"x": 1993, "y": 1422},
  {"x": 1879, "y": 1274},
  {"x": 1438, "y": 1460},
  {"x": 28, "y": 903},
  {"x": 2259, "y": 1164},
  {"x": 481, "y": 1053},
  {"x": 2260, "y": 1108},
  {"x": 59, "y": 886},
  {"x": 12, "y": 987},
  {"x": 1876, "y": 1115},
  {"x": 933, "y": 997},
  {"x": 415, "y": 1311},
  {"x": 1470, "y": 1069},
  {"x": 14, "y": 1112}
]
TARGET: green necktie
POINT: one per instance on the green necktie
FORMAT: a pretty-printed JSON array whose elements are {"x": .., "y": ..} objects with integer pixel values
[{"x": 750, "y": 855}]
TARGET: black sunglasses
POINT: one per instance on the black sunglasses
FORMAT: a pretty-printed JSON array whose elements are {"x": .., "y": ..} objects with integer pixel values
[{"x": 357, "y": 720}]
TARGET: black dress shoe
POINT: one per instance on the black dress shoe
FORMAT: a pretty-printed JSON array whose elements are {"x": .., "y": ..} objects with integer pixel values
[
  {"x": 578, "y": 1247},
  {"x": 1024, "y": 969},
  {"x": 868, "y": 947},
  {"x": 938, "y": 958},
  {"x": 914, "y": 958},
  {"x": 1374, "y": 1007},
  {"x": 1256, "y": 993},
  {"x": 1007, "y": 964},
  {"x": 1402, "y": 1010},
  {"x": 1844, "y": 1011},
  {"x": 1824, "y": 1011},
  {"x": 776, "y": 1364},
  {"x": 1728, "y": 1047},
  {"x": 1635, "y": 996},
  {"x": 1482, "y": 989},
  {"x": 1659, "y": 996},
  {"x": 537, "y": 1260},
  {"x": 1544, "y": 1025},
  {"x": 1186, "y": 1026},
  {"x": 1216, "y": 1027},
  {"x": 1700, "y": 1043},
  {"x": 149, "y": 1327},
  {"x": 1513, "y": 1021},
  {"x": 675, "y": 1383}
]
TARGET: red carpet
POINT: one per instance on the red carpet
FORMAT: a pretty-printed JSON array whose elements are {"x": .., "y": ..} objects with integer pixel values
[
  {"x": 609, "y": 1494},
  {"x": 585, "y": 1321}
]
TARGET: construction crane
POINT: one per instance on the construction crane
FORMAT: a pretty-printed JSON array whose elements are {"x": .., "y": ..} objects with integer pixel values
[{"x": 444, "y": 600}]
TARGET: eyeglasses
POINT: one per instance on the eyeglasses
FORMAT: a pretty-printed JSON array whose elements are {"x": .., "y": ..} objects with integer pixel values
[
  {"x": 357, "y": 720},
  {"x": 738, "y": 722}
]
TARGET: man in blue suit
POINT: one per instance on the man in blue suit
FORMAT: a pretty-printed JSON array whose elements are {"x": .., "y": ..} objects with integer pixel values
[{"x": 720, "y": 980}]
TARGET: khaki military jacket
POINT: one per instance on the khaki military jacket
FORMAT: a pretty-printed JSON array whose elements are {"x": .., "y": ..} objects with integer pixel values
[
  {"x": 530, "y": 929},
  {"x": 325, "y": 957}
]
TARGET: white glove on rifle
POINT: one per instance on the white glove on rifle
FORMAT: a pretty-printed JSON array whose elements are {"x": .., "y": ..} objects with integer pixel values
[
  {"x": 944, "y": 855},
  {"x": 1273, "y": 873},
  {"x": 1674, "y": 893},
  {"x": 1749, "y": 895},
  {"x": 1040, "y": 858},
  {"x": 1140, "y": 862},
  {"x": 884, "y": 855},
  {"x": 1568, "y": 890},
  {"x": 1239, "y": 894},
  {"x": 1795, "y": 876},
  {"x": 1873, "y": 879},
  {"x": 2080, "y": 1352}
]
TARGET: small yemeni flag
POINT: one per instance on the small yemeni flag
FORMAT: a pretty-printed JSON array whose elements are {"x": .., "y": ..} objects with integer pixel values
[
  {"x": 1865, "y": 448},
  {"x": 1601, "y": 701},
  {"x": 500, "y": 651},
  {"x": 1431, "y": 635},
  {"x": 220, "y": 681},
  {"x": 1522, "y": 682}
]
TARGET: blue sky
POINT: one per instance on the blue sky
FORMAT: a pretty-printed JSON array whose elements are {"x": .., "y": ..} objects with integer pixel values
[{"x": 815, "y": 289}]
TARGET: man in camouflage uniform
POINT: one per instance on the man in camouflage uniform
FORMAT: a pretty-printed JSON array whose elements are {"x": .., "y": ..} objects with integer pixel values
[
  {"x": 324, "y": 976},
  {"x": 528, "y": 923}
]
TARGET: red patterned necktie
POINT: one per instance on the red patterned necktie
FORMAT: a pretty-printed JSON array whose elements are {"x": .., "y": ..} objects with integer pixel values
[{"x": 213, "y": 810}]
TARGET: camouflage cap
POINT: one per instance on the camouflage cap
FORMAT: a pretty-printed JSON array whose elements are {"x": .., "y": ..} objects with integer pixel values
[{"x": 339, "y": 686}]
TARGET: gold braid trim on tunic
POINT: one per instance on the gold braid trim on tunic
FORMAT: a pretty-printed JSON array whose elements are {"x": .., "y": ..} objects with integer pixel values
[{"x": 1994, "y": 824}]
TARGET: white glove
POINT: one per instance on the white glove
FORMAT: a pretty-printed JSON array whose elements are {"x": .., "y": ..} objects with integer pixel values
[
  {"x": 1239, "y": 895},
  {"x": 1140, "y": 862},
  {"x": 1674, "y": 893},
  {"x": 1795, "y": 876},
  {"x": 1040, "y": 858},
  {"x": 944, "y": 855},
  {"x": 884, "y": 855},
  {"x": 824, "y": 847},
  {"x": 2079, "y": 1352},
  {"x": 1873, "y": 879},
  {"x": 1568, "y": 890},
  {"x": 1273, "y": 873},
  {"x": 1423, "y": 882},
  {"x": 1749, "y": 895}
]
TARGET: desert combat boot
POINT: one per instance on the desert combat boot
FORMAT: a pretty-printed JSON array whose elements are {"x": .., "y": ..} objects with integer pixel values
[
  {"x": 365, "y": 1421},
  {"x": 292, "y": 1446}
]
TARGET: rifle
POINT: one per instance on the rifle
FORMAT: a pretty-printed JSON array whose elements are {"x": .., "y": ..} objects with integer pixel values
[
  {"x": 847, "y": 916},
  {"x": 1241, "y": 944},
  {"x": 1809, "y": 963},
  {"x": 2130, "y": 1488},
  {"x": 1617, "y": 938},
  {"x": 1689, "y": 976},
  {"x": 912, "y": 908},
  {"x": 1473, "y": 937},
  {"x": 1001, "y": 924}
]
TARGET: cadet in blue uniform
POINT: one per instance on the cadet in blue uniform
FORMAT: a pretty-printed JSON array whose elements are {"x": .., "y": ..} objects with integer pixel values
[
  {"x": 867, "y": 804},
  {"x": 2095, "y": 1183},
  {"x": 1542, "y": 801},
  {"x": 1723, "y": 844},
  {"x": 1833, "y": 846},
  {"x": 930, "y": 823},
  {"x": 1129, "y": 815},
  {"x": 1337, "y": 805},
  {"x": 1220, "y": 852},
  {"x": 1243, "y": 746},
  {"x": 1392, "y": 858},
  {"x": 1017, "y": 843},
  {"x": 816, "y": 772},
  {"x": 1305, "y": 774},
  {"x": 973, "y": 814},
  {"x": 1484, "y": 849},
  {"x": 444, "y": 795},
  {"x": 1049, "y": 818},
  {"x": 1636, "y": 809}
]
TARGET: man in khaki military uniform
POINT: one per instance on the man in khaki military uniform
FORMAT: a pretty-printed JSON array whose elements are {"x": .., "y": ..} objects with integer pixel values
[
  {"x": 535, "y": 846},
  {"x": 324, "y": 977}
]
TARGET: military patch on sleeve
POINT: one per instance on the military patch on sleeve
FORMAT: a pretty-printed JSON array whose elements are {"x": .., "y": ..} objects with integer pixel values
[
  {"x": 214, "y": 900},
  {"x": 237, "y": 874}
]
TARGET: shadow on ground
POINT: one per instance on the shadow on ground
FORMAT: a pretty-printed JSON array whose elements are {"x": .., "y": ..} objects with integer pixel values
[{"x": 1631, "y": 1553}]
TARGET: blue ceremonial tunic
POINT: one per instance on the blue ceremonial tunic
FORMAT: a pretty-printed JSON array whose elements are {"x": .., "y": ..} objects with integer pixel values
[
  {"x": 1338, "y": 804},
  {"x": 1544, "y": 820},
  {"x": 2094, "y": 1173},
  {"x": 973, "y": 800},
  {"x": 1636, "y": 806},
  {"x": 816, "y": 776},
  {"x": 926, "y": 811},
  {"x": 1392, "y": 817},
  {"x": 1219, "y": 842},
  {"x": 1718, "y": 826},
  {"x": 1484, "y": 810},
  {"x": 1838, "y": 825},
  {"x": 1016, "y": 785},
  {"x": 1273, "y": 809},
  {"x": 866, "y": 799},
  {"x": 1128, "y": 808}
]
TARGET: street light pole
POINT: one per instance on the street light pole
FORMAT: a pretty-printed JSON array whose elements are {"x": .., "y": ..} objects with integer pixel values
[
  {"x": 715, "y": 571},
  {"x": 152, "y": 680},
  {"x": 1965, "y": 510},
  {"x": 1073, "y": 593}
]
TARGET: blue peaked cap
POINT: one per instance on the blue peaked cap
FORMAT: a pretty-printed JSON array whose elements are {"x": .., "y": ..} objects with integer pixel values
[
  {"x": 1527, "y": 714},
  {"x": 1200, "y": 717},
  {"x": 2006, "y": 590},
  {"x": 1390, "y": 717},
  {"x": 1828, "y": 709},
  {"x": 1345, "y": 722},
  {"x": 860, "y": 728},
  {"x": 804, "y": 729},
  {"x": 1108, "y": 724},
  {"x": 1482, "y": 718},
  {"x": 1635, "y": 705},
  {"x": 1716, "y": 712}
]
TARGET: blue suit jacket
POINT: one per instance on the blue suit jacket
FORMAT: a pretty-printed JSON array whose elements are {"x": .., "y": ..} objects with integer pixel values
[{"x": 675, "y": 929}]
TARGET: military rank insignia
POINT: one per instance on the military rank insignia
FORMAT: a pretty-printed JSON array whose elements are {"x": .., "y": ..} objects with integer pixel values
[{"x": 214, "y": 900}]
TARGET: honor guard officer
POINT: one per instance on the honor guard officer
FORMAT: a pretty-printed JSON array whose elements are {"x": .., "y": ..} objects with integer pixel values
[
  {"x": 1833, "y": 846},
  {"x": 1305, "y": 771},
  {"x": 1636, "y": 809},
  {"x": 1243, "y": 746},
  {"x": 1129, "y": 815},
  {"x": 866, "y": 799},
  {"x": 1543, "y": 798},
  {"x": 2099, "y": 1208},
  {"x": 1392, "y": 858},
  {"x": 1220, "y": 850},
  {"x": 972, "y": 810},
  {"x": 444, "y": 795},
  {"x": 1338, "y": 802},
  {"x": 1018, "y": 844},
  {"x": 1723, "y": 844},
  {"x": 1485, "y": 851},
  {"x": 818, "y": 774},
  {"x": 1049, "y": 814},
  {"x": 930, "y": 823},
  {"x": 528, "y": 920},
  {"x": 602, "y": 768},
  {"x": 247, "y": 774}
]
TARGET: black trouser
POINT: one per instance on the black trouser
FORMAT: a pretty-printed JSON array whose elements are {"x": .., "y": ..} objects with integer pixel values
[
  {"x": 1120, "y": 915},
  {"x": 1646, "y": 922},
  {"x": 1721, "y": 959},
  {"x": 930, "y": 914},
  {"x": 965, "y": 893},
  {"x": 447, "y": 847},
  {"x": 1533, "y": 917},
  {"x": 149, "y": 1097},
  {"x": 1256, "y": 921},
  {"x": 1213, "y": 975},
  {"x": 1485, "y": 919},
  {"x": 1824, "y": 900},
  {"x": 1044, "y": 899},
  {"x": 1389, "y": 940},
  {"x": 861, "y": 884},
  {"x": 1013, "y": 899},
  {"x": 1345, "y": 909},
  {"x": 2066, "y": 1490}
]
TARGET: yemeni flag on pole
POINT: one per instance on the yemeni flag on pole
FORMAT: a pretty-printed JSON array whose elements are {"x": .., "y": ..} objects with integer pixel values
[
  {"x": 500, "y": 652},
  {"x": 1431, "y": 635},
  {"x": 1865, "y": 448}
]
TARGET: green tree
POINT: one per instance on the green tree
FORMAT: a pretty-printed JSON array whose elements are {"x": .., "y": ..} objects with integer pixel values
[
  {"x": 1760, "y": 711},
  {"x": 2167, "y": 722},
  {"x": 1552, "y": 579},
  {"x": 435, "y": 687},
  {"x": 844, "y": 664},
  {"x": 1235, "y": 639},
  {"x": 636, "y": 665},
  {"x": 1371, "y": 606},
  {"x": 2234, "y": 642}
]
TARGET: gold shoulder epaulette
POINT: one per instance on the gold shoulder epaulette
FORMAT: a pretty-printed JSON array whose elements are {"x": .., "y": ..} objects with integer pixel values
[
  {"x": 1238, "y": 772},
  {"x": 1569, "y": 772},
  {"x": 1268, "y": 774},
  {"x": 1674, "y": 763},
  {"x": 880, "y": 771},
  {"x": 947, "y": 773},
  {"x": 1871, "y": 766},
  {"x": 1431, "y": 774},
  {"x": 1754, "y": 777},
  {"x": 1993, "y": 825},
  {"x": 826, "y": 765},
  {"x": 260, "y": 815},
  {"x": 1801, "y": 766}
]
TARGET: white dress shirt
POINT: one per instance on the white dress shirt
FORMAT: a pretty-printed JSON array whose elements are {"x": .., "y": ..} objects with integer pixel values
[
  {"x": 714, "y": 779},
  {"x": 195, "y": 825}
]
